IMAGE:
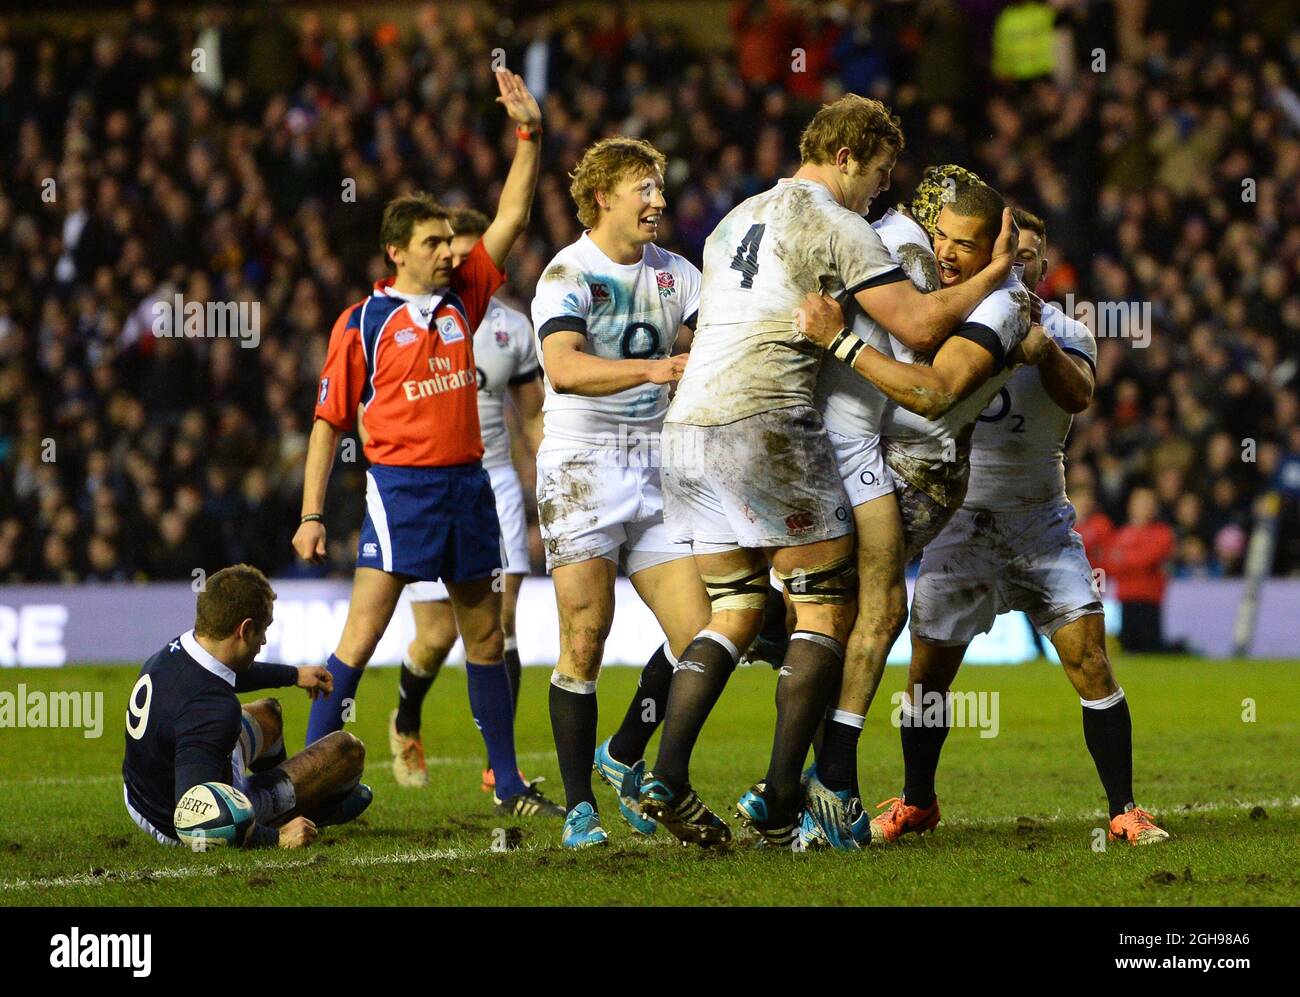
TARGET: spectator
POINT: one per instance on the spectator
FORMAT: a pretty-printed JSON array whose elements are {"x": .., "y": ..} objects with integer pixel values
[
  {"x": 227, "y": 184},
  {"x": 1135, "y": 559},
  {"x": 1092, "y": 525}
]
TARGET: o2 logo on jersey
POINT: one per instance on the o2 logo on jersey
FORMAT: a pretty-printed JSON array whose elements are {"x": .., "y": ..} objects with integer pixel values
[
  {"x": 667, "y": 286},
  {"x": 324, "y": 390},
  {"x": 449, "y": 331},
  {"x": 1003, "y": 398}
]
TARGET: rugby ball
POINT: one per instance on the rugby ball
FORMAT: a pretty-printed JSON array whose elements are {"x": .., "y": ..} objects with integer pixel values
[{"x": 213, "y": 815}]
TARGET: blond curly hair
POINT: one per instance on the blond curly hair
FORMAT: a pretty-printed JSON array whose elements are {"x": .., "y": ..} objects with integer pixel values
[{"x": 606, "y": 164}]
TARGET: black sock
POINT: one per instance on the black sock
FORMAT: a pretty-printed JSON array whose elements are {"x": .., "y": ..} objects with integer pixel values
[
  {"x": 1108, "y": 731},
  {"x": 698, "y": 680},
  {"x": 774, "y": 617},
  {"x": 411, "y": 690},
  {"x": 810, "y": 675},
  {"x": 651, "y": 700},
  {"x": 922, "y": 732},
  {"x": 837, "y": 757},
  {"x": 514, "y": 670},
  {"x": 573, "y": 722}
]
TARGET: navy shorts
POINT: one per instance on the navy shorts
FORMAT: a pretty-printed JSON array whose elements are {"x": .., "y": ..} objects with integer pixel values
[{"x": 431, "y": 523}]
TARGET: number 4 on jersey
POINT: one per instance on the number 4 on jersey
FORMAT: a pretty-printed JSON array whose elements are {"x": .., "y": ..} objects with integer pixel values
[{"x": 746, "y": 258}]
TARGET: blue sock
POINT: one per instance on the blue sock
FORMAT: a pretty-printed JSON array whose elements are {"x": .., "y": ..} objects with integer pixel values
[
  {"x": 492, "y": 704},
  {"x": 327, "y": 712}
]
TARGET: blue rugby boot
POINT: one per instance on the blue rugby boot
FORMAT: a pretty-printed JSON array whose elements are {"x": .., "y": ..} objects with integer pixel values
[
  {"x": 625, "y": 780},
  {"x": 834, "y": 816},
  {"x": 753, "y": 812},
  {"x": 582, "y": 828}
]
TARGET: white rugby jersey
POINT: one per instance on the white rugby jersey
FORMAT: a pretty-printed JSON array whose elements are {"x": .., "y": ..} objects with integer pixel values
[
  {"x": 1017, "y": 457},
  {"x": 759, "y": 263},
  {"x": 850, "y": 404},
  {"x": 504, "y": 355},
  {"x": 933, "y": 454},
  {"x": 625, "y": 311}
]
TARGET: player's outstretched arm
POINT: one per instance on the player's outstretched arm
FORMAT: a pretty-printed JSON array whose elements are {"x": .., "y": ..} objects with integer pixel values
[
  {"x": 309, "y": 540},
  {"x": 516, "y": 202},
  {"x": 572, "y": 370},
  {"x": 923, "y": 321}
]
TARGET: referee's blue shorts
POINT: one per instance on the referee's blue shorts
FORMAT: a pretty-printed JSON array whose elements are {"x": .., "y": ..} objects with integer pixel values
[{"x": 431, "y": 523}]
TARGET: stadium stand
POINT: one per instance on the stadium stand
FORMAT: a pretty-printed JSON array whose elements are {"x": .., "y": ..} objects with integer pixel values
[{"x": 1163, "y": 150}]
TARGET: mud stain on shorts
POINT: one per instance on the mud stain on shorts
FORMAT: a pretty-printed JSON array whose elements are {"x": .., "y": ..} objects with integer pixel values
[
  {"x": 923, "y": 518},
  {"x": 564, "y": 500},
  {"x": 943, "y": 480}
]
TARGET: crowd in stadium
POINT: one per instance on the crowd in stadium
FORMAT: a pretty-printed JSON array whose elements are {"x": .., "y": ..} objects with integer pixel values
[{"x": 246, "y": 157}]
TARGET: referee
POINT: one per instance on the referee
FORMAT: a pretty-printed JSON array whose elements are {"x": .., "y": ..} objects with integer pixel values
[{"x": 404, "y": 357}]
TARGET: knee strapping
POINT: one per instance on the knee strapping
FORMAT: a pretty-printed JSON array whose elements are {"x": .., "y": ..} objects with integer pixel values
[
  {"x": 832, "y": 583},
  {"x": 743, "y": 589}
]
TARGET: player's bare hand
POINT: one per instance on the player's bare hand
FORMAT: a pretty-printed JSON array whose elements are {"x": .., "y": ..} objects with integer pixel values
[
  {"x": 667, "y": 371},
  {"x": 819, "y": 318},
  {"x": 520, "y": 105},
  {"x": 309, "y": 542},
  {"x": 298, "y": 833},
  {"x": 1004, "y": 249},
  {"x": 316, "y": 680},
  {"x": 1033, "y": 348}
]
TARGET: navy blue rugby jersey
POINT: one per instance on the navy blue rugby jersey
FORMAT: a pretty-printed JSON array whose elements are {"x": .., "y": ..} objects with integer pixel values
[{"x": 183, "y": 723}]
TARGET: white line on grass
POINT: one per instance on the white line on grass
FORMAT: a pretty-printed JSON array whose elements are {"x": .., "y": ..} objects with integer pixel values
[
  {"x": 436, "y": 761},
  {"x": 203, "y": 871},
  {"x": 413, "y": 856}
]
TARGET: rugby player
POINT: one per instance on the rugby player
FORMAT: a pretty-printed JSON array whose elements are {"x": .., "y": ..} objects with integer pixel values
[
  {"x": 757, "y": 482},
  {"x": 185, "y": 726},
  {"x": 506, "y": 363},
  {"x": 1012, "y": 547},
  {"x": 611, "y": 310},
  {"x": 929, "y": 403},
  {"x": 405, "y": 356}
]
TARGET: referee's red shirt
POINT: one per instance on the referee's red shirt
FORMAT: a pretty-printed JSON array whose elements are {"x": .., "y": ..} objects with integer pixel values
[{"x": 408, "y": 361}]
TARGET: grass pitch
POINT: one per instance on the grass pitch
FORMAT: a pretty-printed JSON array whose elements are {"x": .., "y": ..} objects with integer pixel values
[{"x": 1215, "y": 750}]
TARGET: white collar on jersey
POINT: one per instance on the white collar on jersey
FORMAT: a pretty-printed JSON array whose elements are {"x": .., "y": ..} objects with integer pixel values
[
  {"x": 196, "y": 651},
  {"x": 421, "y": 306}
]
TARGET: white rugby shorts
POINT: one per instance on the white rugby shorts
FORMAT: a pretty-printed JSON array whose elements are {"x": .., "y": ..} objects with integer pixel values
[{"x": 987, "y": 563}]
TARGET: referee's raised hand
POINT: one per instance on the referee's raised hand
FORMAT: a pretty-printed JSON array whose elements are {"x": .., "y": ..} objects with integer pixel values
[{"x": 521, "y": 106}]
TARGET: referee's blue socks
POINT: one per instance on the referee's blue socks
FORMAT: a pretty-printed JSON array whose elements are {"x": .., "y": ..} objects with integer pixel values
[
  {"x": 327, "y": 711},
  {"x": 492, "y": 704}
]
